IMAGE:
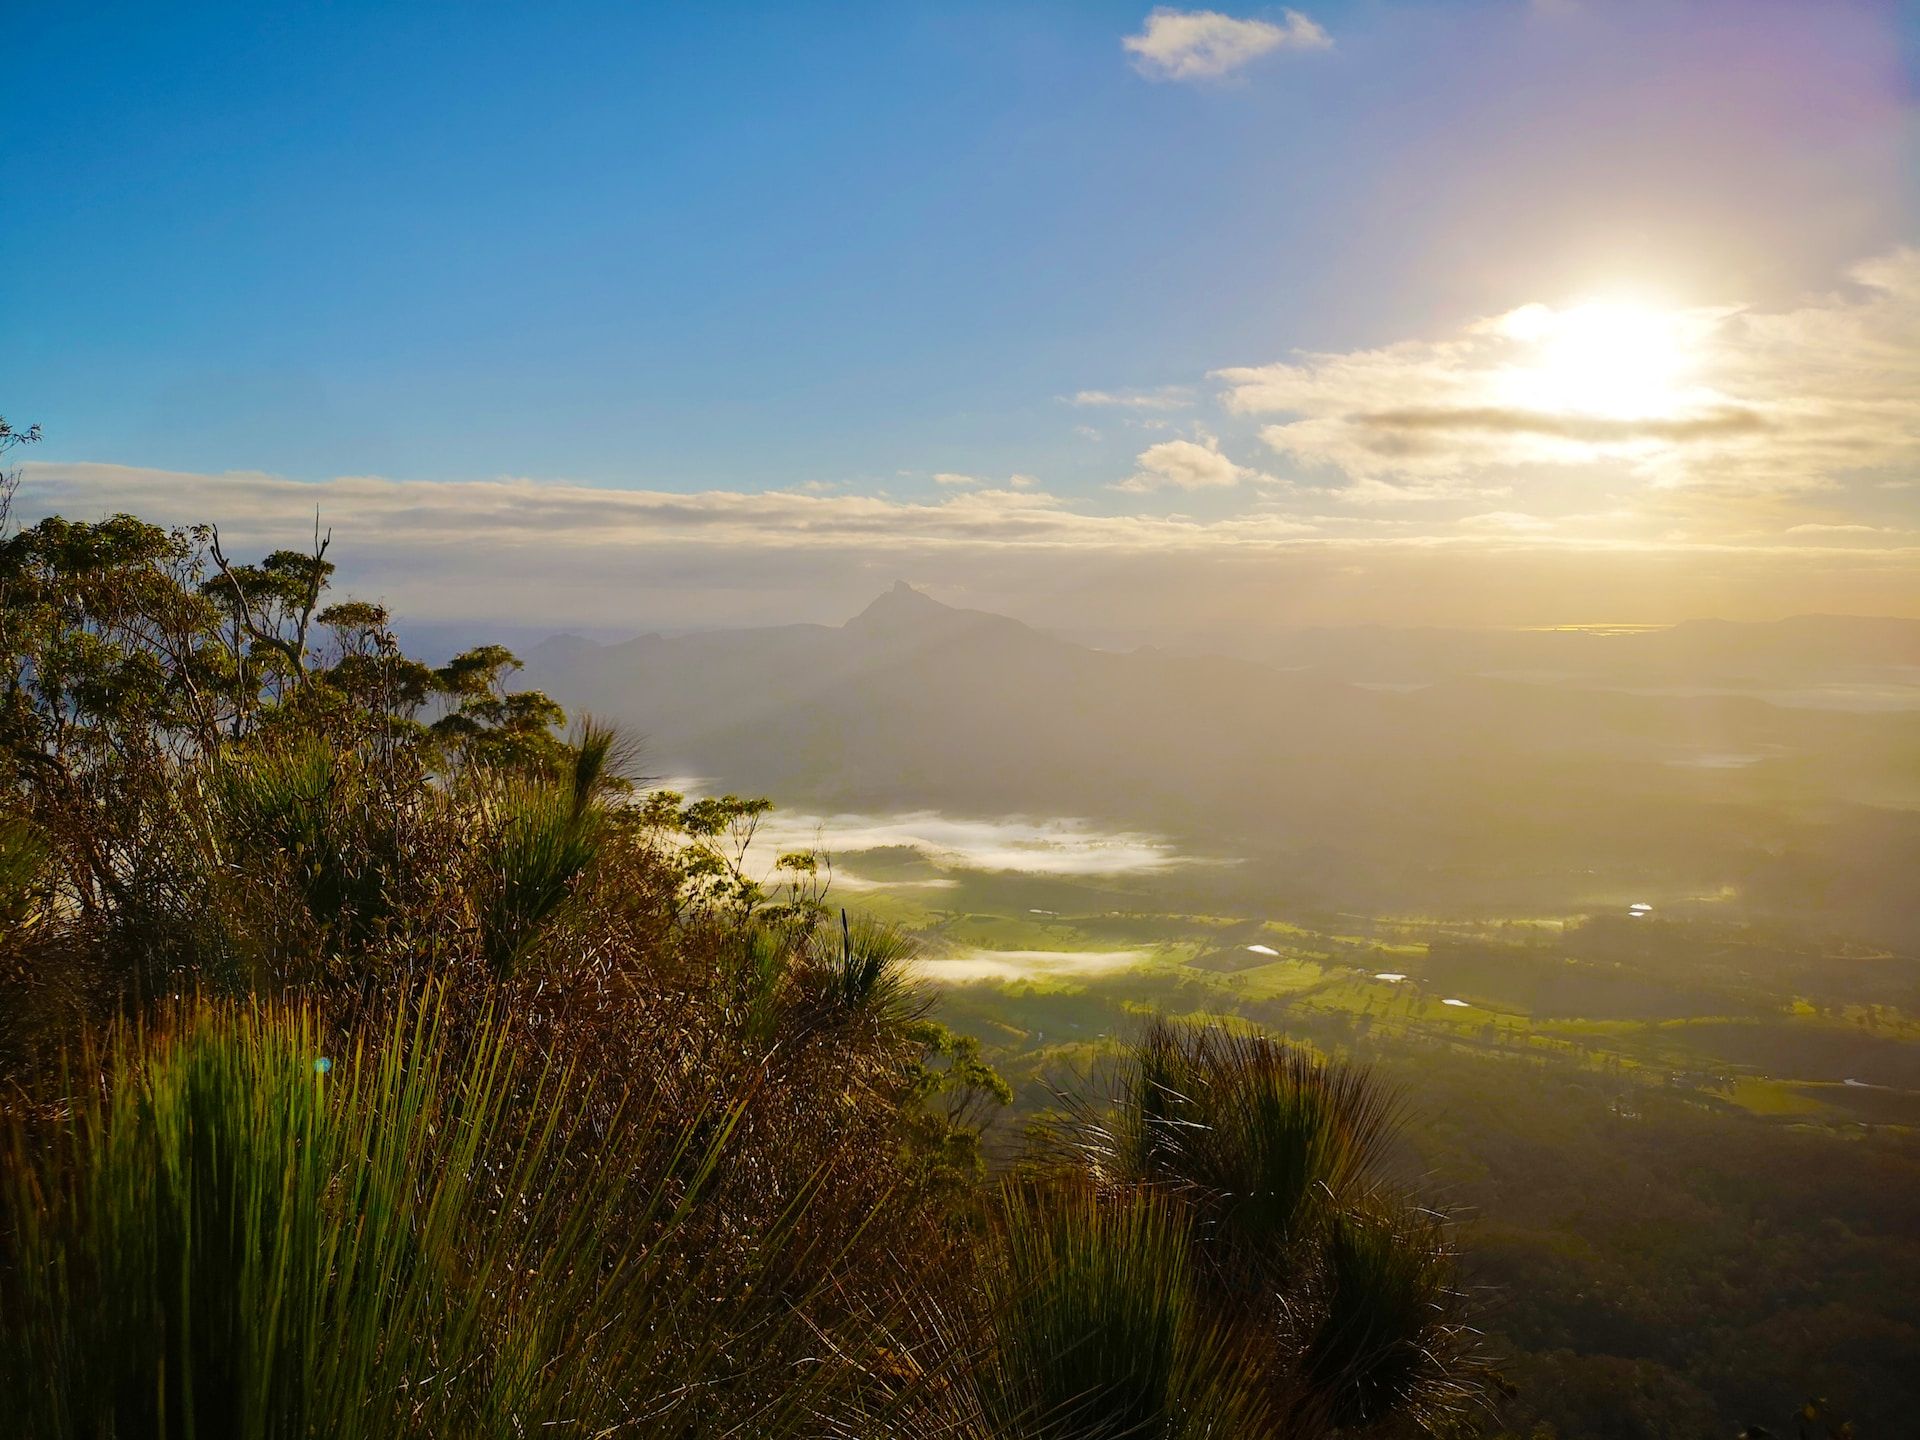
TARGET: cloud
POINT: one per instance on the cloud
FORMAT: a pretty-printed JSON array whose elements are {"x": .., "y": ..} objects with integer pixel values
[
  {"x": 1590, "y": 429},
  {"x": 956, "y": 481},
  {"x": 1813, "y": 528},
  {"x": 1371, "y": 493},
  {"x": 1185, "y": 465},
  {"x": 1538, "y": 461},
  {"x": 407, "y": 515},
  {"x": 1206, "y": 45},
  {"x": 1511, "y": 522},
  {"x": 1819, "y": 396},
  {"x": 528, "y": 553},
  {"x": 1166, "y": 397}
]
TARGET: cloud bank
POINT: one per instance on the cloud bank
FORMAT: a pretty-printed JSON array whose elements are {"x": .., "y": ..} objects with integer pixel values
[
  {"x": 1595, "y": 461},
  {"x": 553, "y": 555}
]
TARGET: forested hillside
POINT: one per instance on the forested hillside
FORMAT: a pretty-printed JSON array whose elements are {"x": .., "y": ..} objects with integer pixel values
[{"x": 380, "y": 1060}]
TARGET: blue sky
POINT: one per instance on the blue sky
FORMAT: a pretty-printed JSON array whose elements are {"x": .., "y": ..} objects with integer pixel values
[{"x": 837, "y": 251}]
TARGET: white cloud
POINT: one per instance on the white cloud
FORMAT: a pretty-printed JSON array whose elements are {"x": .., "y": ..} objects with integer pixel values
[
  {"x": 1185, "y": 465},
  {"x": 1815, "y": 528},
  {"x": 1205, "y": 45},
  {"x": 1371, "y": 493},
  {"x": 1783, "y": 444},
  {"x": 1511, "y": 522},
  {"x": 1746, "y": 401},
  {"x": 958, "y": 481},
  {"x": 1166, "y": 397},
  {"x": 405, "y": 515}
]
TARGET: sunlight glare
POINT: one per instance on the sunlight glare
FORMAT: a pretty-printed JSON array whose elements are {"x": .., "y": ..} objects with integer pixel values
[{"x": 1608, "y": 358}]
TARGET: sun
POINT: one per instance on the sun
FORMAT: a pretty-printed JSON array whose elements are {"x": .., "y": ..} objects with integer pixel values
[{"x": 1615, "y": 359}]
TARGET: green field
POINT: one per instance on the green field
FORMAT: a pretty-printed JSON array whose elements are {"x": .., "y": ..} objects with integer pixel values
[
  {"x": 1720, "y": 1012},
  {"x": 1681, "y": 1147}
]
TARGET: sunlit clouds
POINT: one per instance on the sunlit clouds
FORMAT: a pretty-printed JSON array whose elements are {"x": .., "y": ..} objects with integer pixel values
[
  {"x": 1748, "y": 402},
  {"x": 1206, "y": 45},
  {"x": 1185, "y": 465},
  {"x": 555, "y": 555},
  {"x": 1610, "y": 456}
]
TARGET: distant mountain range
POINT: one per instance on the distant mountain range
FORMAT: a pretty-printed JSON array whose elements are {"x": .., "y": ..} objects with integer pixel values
[
  {"x": 1422, "y": 766},
  {"x": 1799, "y": 650}
]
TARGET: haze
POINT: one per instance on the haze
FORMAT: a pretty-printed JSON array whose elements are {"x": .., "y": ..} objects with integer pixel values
[{"x": 1165, "y": 324}]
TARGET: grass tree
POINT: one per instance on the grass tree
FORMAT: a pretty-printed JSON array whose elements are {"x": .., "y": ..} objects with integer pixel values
[{"x": 1344, "y": 1291}]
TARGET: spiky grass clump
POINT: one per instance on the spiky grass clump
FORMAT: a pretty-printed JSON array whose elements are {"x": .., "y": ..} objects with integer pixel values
[
  {"x": 1279, "y": 1158},
  {"x": 1098, "y": 1331},
  {"x": 863, "y": 967},
  {"x": 1383, "y": 1326},
  {"x": 231, "y": 1232},
  {"x": 23, "y": 858},
  {"x": 295, "y": 800},
  {"x": 537, "y": 841},
  {"x": 1267, "y": 1137}
]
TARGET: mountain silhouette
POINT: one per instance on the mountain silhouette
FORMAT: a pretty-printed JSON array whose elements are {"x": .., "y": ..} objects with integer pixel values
[{"x": 913, "y": 703}]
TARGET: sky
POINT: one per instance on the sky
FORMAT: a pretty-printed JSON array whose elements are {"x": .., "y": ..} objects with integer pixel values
[{"x": 1479, "y": 312}]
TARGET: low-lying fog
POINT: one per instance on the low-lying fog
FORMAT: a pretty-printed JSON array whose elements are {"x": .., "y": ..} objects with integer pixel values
[{"x": 927, "y": 839}]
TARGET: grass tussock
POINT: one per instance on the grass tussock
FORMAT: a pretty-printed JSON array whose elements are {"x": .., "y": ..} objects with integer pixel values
[
  {"x": 240, "y": 1233},
  {"x": 1340, "y": 1289}
]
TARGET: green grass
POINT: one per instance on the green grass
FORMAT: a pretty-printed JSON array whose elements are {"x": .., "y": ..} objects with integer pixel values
[
  {"x": 1773, "y": 1098},
  {"x": 245, "y": 1233},
  {"x": 1515, "y": 973}
]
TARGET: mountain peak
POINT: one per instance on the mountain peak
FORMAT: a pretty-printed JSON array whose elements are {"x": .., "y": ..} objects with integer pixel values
[{"x": 900, "y": 607}]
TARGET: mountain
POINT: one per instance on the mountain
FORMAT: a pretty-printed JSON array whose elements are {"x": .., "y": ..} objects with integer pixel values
[
  {"x": 1801, "y": 650},
  {"x": 916, "y": 704}
]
